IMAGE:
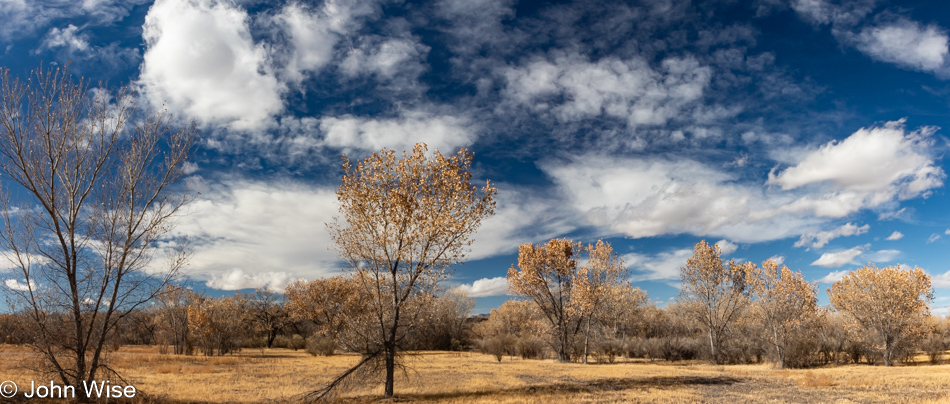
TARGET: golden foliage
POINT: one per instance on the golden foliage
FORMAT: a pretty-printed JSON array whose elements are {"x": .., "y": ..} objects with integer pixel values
[
  {"x": 719, "y": 293},
  {"x": 403, "y": 222},
  {"x": 572, "y": 297},
  {"x": 888, "y": 303},
  {"x": 787, "y": 306}
]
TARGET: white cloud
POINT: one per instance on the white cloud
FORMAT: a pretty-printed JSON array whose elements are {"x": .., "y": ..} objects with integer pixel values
[
  {"x": 662, "y": 266},
  {"x": 838, "y": 258},
  {"x": 932, "y": 238},
  {"x": 843, "y": 13},
  {"x": 252, "y": 233},
  {"x": 573, "y": 88},
  {"x": 882, "y": 255},
  {"x": 947, "y": 232},
  {"x": 249, "y": 234},
  {"x": 386, "y": 59},
  {"x": 820, "y": 239},
  {"x": 726, "y": 247},
  {"x": 521, "y": 216},
  {"x": 66, "y": 37},
  {"x": 24, "y": 17},
  {"x": 200, "y": 59},
  {"x": 942, "y": 280},
  {"x": 645, "y": 197},
  {"x": 869, "y": 168},
  {"x": 896, "y": 235},
  {"x": 907, "y": 44},
  {"x": 650, "y": 196},
  {"x": 487, "y": 287},
  {"x": 14, "y": 284},
  {"x": 237, "y": 279},
  {"x": 833, "y": 277},
  {"x": 444, "y": 132},
  {"x": 778, "y": 259},
  {"x": 315, "y": 32}
]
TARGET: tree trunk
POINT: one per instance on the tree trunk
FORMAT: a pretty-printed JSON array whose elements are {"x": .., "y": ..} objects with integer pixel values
[
  {"x": 586, "y": 340},
  {"x": 390, "y": 369}
]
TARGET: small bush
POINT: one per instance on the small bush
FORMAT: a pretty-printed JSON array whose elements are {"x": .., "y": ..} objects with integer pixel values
[
  {"x": 297, "y": 342},
  {"x": 322, "y": 346}
]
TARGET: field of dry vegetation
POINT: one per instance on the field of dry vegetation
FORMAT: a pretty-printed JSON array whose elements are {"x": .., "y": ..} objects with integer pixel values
[{"x": 282, "y": 375}]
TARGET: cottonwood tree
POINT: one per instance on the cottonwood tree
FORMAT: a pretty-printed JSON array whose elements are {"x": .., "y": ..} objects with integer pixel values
[
  {"x": 719, "y": 293},
  {"x": 787, "y": 306},
  {"x": 324, "y": 302},
  {"x": 889, "y": 304},
  {"x": 515, "y": 327},
  {"x": 172, "y": 319},
  {"x": 268, "y": 314},
  {"x": 547, "y": 273},
  {"x": 93, "y": 200},
  {"x": 403, "y": 222},
  {"x": 599, "y": 280}
]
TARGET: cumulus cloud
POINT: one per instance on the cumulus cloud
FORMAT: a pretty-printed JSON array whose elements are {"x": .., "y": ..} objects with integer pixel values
[
  {"x": 663, "y": 266},
  {"x": 14, "y": 284},
  {"x": 236, "y": 279},
  {"x": 487, "y": 287},
  {"x": 200, "y": 58},
  {"x": 833, "y": 277},
  {"x": 778, "y": 259},
  {"x": 249, "y": 234},
  {"x": 838, "y": 258},
  {"x": 444, "y": 132},
  {"x": 645, "y": 197},
  {"x": 821, "y": 238},
  {"x": 933, "y": 237},
  {"x": 896, "y": 235},
  {"x": 882, "y": 255},
  {"x": 726, "y": 247},
  {"x": 867, "y": 169},
  {"x": 941, "y": 280},
  {"x": 907, "y": 44},
  {"x": 573, "y": 88},
  {"x": 25, "y": 17},
  {"x": 259, "y": 234},
  {"x": 522, "y": 215},
  {"x": 386, "y": 59},
  {"x": 315, "y": 32},
  {"x": 67, "y": 37}
]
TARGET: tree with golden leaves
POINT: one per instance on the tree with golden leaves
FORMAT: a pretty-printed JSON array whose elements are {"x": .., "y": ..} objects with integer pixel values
[
  {"x": 546, "y": 273},
  {"x": 602, "y": 278},
  {"x": 325, "y": 302},
  {"x": 787, "y": 306},
  {"x": 403, "y": 222},
  {"x": 719, "y": 292},
  {"x": 889, "y": 304}
]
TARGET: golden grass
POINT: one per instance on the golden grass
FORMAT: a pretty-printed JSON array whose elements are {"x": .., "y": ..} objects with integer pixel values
[{"x": 278, "y": 375}]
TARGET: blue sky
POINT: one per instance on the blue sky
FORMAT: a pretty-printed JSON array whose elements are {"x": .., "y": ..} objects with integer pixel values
[{"x": 807, "y": 130}]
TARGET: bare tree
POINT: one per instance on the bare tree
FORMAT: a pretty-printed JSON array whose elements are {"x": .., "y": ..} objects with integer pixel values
[
  {"x": 173, "y": 302},
  {"x": 719, "y": 292},
  {"x": 403, "y": 222},
  {"x": 889, "y": 304},
  {"x": 268, "y": 313},
  {"x": 93, "y": 201}
]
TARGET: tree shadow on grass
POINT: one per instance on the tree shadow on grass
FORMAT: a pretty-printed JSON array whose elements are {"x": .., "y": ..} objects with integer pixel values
[{"x": 600, "y": 385}]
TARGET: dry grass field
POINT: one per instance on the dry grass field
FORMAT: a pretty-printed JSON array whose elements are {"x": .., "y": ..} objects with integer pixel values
[{"x": 279, "y": 375}]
